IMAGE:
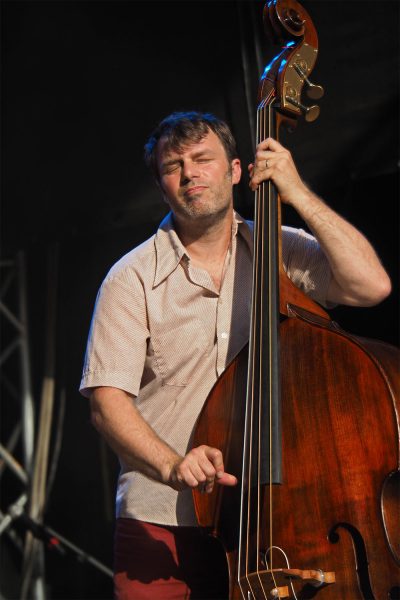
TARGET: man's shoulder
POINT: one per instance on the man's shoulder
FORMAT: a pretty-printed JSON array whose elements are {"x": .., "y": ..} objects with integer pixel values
[{"x": 138, "y": 260}]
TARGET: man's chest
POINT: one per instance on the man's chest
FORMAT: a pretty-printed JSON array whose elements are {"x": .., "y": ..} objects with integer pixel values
[{"x": 188, "y": 320}]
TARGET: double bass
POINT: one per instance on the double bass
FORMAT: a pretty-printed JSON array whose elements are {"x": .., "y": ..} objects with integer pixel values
[{"x": 307, "y": 415}]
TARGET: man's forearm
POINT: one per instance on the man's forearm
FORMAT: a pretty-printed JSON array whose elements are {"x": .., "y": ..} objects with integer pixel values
[
  {"x": 358, "y": 276},
  {"x": 116, "y": 417}
]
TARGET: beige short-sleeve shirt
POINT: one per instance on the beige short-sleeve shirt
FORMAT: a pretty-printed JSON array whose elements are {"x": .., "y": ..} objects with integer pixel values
[{"x": 162, "y": 332}]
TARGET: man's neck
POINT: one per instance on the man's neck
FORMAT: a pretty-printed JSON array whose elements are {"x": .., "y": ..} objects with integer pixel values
[{"x": 207, "y": 242}]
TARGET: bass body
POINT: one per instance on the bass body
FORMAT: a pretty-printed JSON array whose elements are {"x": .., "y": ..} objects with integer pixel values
[{"x": 336, "y": 513}]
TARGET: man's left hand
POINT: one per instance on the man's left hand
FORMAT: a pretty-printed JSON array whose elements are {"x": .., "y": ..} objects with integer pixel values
[{"x": 274, "y": 162}]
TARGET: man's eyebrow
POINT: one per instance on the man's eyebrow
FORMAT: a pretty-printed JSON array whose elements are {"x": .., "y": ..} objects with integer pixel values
[
  {"x": 173, "y": 161},
  {"x": 202, "y": 152}
]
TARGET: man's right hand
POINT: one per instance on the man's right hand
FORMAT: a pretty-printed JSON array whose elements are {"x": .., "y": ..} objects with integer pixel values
[
  {"x": 200, "y": 468},
  {"x": 116, "y": 417}
]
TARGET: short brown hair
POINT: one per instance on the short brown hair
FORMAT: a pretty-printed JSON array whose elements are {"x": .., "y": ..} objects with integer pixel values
[{"x": 182, "y": 128}]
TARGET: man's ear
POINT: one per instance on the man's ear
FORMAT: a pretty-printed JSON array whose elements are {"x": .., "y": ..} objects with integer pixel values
[{"x": 236, "y": 171}]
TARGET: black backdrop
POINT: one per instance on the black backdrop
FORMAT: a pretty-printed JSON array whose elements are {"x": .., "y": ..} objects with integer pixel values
[{"x": 83, "y": 85}]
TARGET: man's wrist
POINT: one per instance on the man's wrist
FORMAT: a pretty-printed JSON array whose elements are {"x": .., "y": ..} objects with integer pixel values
[{"x": 167, "y": 470}]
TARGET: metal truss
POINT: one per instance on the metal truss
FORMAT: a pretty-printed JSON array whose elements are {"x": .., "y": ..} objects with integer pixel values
[
  {"x": 16, "y": 386},
  {"x": 32, "y": 467}
]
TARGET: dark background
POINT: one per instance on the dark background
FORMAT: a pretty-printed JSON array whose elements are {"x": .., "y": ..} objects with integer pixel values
[{"x": 83, "y": 85}]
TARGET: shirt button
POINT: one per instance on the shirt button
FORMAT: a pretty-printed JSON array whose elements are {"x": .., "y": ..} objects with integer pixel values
[{"x": 224, "y": 335}]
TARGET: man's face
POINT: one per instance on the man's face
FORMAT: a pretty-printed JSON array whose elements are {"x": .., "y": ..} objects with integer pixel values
[{"x": 197, "y": 180}]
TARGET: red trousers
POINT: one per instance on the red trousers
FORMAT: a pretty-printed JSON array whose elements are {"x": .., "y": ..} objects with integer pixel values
[{"x": 169, "y": 563}]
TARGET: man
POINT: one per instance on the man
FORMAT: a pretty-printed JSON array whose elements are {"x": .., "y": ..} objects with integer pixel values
[{"x": 169, "y": 318}]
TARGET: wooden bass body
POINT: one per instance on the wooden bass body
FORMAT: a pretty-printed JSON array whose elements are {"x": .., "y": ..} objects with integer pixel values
[{"x": 337, "y": 510}]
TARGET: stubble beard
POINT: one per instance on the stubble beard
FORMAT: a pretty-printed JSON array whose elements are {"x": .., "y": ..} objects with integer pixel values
[{"x": 211, "y": 211}]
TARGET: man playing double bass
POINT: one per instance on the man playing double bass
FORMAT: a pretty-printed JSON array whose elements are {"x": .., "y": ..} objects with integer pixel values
[{"x": 170, "y": 316}]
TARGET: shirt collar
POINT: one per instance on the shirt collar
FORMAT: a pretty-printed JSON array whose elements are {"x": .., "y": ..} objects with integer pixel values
[
  {"x": 170, "y": 250},
  {"x": 244, "y": 228}
]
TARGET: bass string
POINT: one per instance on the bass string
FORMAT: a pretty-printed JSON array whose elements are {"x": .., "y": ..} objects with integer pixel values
[
  {"x": 246, "y": 491},
  {"x": 243, "y": 569},
  {"x": 272, "y": 291},
  {"x": 266, "y": 308},
  {"x": 259, "y": 348},
  {"x": 255, "y": 371},
  {"x": 262, "y": 215},
  {"x": 253, "y": 363}
]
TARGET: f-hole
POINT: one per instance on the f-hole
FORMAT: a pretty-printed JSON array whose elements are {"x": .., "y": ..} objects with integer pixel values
[{"x": 360, "y": 553}]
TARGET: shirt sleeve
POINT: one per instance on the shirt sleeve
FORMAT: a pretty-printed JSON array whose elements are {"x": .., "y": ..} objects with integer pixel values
[
  {"x": 306, "y": 264},
  {"x": 117, "y": 343}
]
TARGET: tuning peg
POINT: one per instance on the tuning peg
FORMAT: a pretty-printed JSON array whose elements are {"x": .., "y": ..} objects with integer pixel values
[
  {"x": 310, "y": 112},
  {"x": 315, "y": 92}
]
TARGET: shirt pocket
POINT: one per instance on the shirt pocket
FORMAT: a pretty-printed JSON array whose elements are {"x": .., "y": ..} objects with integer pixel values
[{"x": 178, "y": 350}]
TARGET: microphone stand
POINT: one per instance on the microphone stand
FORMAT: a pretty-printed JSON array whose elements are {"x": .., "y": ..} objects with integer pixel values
[{"x": 54, "y": 540}]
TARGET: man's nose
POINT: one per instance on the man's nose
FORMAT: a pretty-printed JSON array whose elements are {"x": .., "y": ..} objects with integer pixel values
[{"x": 189, "y": 170}]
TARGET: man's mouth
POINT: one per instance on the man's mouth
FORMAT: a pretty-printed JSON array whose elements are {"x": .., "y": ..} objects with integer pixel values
[{"x": 196, "y": 189}]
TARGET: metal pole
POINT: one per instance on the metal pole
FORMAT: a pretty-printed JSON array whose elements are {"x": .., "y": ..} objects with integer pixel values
[
  {"x": 33, "y": 569},
  {"x": 28, "y": 411}
]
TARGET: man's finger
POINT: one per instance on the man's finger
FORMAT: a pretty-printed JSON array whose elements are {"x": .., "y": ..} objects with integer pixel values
[
  {"x": 226, "y": 479},
  {"x": 270, "y": 144},
  {"x": 215, "y": 457}
]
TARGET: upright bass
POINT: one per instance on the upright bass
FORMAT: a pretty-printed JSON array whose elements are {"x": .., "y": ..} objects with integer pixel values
[{"x": 307, "y": 415}]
